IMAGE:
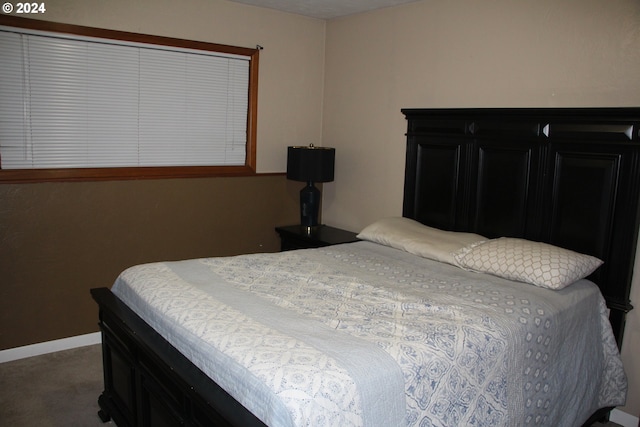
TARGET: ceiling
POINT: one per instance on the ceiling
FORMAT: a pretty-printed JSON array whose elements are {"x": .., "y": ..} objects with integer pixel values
[{"x": 324, "y": 9}]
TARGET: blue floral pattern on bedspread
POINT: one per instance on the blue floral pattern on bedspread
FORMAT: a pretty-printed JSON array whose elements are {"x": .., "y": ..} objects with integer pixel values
[{"x": 471, "y": 349}]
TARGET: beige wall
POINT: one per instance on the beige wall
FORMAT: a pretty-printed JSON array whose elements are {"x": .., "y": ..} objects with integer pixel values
[{"x": 466, "y": 53}]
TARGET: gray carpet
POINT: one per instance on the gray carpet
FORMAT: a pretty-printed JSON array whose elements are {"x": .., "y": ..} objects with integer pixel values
[
  {"x": 52, "y": 390},
  {"x": 58, "y": 390}
]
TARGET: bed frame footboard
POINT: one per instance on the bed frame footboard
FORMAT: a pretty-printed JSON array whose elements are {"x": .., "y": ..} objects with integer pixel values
[{"x": 147, "y": 382}]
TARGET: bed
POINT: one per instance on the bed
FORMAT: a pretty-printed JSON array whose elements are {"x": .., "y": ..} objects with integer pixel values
[{"x": 429, "y": 319}]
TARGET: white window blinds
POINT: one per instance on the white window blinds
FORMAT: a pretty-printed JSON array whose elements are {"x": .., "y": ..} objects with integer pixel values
[{"x": 77, "y": 102}]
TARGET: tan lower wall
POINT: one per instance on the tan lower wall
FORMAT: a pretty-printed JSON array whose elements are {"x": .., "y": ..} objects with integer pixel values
[{"x": 58, "y": 240}]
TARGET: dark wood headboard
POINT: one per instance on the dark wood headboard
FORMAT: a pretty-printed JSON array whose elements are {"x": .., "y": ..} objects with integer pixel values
[{"x": 565, "y": 176}]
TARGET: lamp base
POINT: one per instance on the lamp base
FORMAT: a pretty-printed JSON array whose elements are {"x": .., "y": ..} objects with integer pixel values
[{"x": 310, "y": 198}]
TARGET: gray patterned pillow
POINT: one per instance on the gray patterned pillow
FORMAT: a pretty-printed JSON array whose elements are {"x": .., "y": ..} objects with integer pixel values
[{"x": 540, "y": 264}]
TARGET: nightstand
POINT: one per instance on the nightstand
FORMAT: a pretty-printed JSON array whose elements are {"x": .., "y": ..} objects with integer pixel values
[{"x": 297, "y": 237}]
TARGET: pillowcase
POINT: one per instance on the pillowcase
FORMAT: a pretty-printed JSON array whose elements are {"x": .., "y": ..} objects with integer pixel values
[
  {"x": 418, "y": 239},
  {"x": 540, "y": 264}
]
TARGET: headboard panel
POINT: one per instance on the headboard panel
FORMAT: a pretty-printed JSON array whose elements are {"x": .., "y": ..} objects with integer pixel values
[{"x": 569, "y": 177}]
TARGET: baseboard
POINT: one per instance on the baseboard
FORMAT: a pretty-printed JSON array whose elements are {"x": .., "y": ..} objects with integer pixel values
[
  {"x": 624, "y": 419},
  {"x": 49, "y": 347}
]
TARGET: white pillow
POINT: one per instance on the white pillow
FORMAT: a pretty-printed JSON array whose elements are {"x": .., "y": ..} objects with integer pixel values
[
  {"x": 540, "y": 264},
  {"x": 418, "y": 239}
]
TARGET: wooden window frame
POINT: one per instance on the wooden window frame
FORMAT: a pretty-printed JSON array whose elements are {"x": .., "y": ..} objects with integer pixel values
[{"x": 126, "y": 173}]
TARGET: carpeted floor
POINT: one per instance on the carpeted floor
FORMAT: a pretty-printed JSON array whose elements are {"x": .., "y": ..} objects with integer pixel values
[
  {"x": 58, "y": 390},
  {"x": 52, "y": 390}
]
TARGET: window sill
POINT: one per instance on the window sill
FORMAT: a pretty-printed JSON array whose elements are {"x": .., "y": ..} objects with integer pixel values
[{"x": 113, "y": 174}]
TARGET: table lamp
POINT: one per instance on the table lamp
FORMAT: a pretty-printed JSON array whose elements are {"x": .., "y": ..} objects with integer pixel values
[{"x": 310, "y": 164}]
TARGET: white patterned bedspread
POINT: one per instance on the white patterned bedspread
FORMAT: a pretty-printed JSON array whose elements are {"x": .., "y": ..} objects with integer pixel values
[{"x": 362, "y": 334}]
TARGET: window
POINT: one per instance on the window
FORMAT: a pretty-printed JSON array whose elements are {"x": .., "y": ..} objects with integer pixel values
[{"x": 96, "y": 104}]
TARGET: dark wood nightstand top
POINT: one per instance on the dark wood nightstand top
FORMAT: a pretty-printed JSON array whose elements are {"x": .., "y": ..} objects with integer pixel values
[{"x": 297, "y": 237}]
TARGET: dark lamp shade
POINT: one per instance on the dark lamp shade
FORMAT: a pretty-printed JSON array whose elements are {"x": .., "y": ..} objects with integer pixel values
[{"x": 310, "y": 164}]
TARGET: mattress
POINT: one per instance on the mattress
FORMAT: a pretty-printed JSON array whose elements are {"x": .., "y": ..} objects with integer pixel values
[{"x": 363, "y": 334}]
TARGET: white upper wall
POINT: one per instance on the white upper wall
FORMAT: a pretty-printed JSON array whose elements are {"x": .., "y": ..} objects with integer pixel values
[{"x": 463, "y": 53}]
